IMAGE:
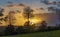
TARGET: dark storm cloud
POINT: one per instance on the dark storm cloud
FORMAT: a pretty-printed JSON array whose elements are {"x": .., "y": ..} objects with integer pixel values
[
  {"x": 5, "y": 18},
  {"x": 1, "y": 11},
  {"x": 45, "y": 2},
  {"x": 10, "y": 2},
  {"x": 18, "y": 11},
  {"x": 1, "y": 19},
  {"x": 21, "y": 4},
  {"x": 54, "y": 9},
  {"x": 53, "y": 3},
  {"x": 51, "y": 8},
  {"x": 41, "y": 8}
]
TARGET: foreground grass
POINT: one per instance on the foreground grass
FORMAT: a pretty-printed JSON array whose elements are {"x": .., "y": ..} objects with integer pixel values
[{"x": 39, "y": 34}]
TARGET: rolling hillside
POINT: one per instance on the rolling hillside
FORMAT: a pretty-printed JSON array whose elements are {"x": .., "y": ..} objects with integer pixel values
[{"x": 39, "y": 34}]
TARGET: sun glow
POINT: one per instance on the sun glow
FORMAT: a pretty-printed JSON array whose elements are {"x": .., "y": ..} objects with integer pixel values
[
  {"x": 35, "y": 20},
  {"x": 19, "y": 20},
  {"x": 22, "y": 20}
]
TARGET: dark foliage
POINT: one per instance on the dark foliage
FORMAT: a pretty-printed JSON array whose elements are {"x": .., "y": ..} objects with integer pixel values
[
  {"x": 43, "y": 26},
  {"x": 27, "y": 27},
  {"x": 45, "y": 2},
  {"x": 28, "y": 13},
  {"x": 9, "y": 30},
  {"x": 20, "y": 30}
]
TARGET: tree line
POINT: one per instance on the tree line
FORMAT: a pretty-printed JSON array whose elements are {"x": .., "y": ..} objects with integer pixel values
[{"x": 11, "y": 30}]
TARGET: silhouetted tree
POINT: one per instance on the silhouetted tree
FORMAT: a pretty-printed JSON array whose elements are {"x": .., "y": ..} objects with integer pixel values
[
  {"x": 59, "y": 26},
  {"x": 56, "y": 27},
  {"x": 9, "y": 30},
  {"x": 11, "y": 17},
  {"x": 33, "y": 29},
  {"x": 20, "y": 30},
  {"x": 49, "y": 28},
  {"x": 27, "y": 14},
  {"x": 43, "y": 26},
  {"x": 27, "y": 26}
]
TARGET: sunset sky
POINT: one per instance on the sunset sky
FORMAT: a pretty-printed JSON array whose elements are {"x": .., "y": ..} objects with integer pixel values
[{"x": 39, "y": 6}]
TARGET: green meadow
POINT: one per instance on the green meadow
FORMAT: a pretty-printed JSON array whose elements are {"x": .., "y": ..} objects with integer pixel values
[{"x": 39, "y": 34}]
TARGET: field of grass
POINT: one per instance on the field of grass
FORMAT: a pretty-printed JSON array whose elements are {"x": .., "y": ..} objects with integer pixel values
[{"x": 39, "y": 34}]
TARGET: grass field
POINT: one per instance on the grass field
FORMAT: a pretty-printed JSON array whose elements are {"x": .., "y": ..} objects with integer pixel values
[{"x": 39, "y": 34}]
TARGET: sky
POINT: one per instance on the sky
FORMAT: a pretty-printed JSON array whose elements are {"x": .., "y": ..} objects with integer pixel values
[
  {"x": 28, "y": 2},
  {"x": 33, "y": 3},
  {"x": 39, "y": 6}
]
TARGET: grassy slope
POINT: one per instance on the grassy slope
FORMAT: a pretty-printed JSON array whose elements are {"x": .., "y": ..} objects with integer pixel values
[{"x": 39, "y": 34}]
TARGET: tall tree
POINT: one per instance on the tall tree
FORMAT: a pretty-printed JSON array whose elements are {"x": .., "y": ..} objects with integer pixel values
[
  {"x": 10, "y": 28},
  {"x": 28, "y": 13},
  {"x": 11, "y": 17}
]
